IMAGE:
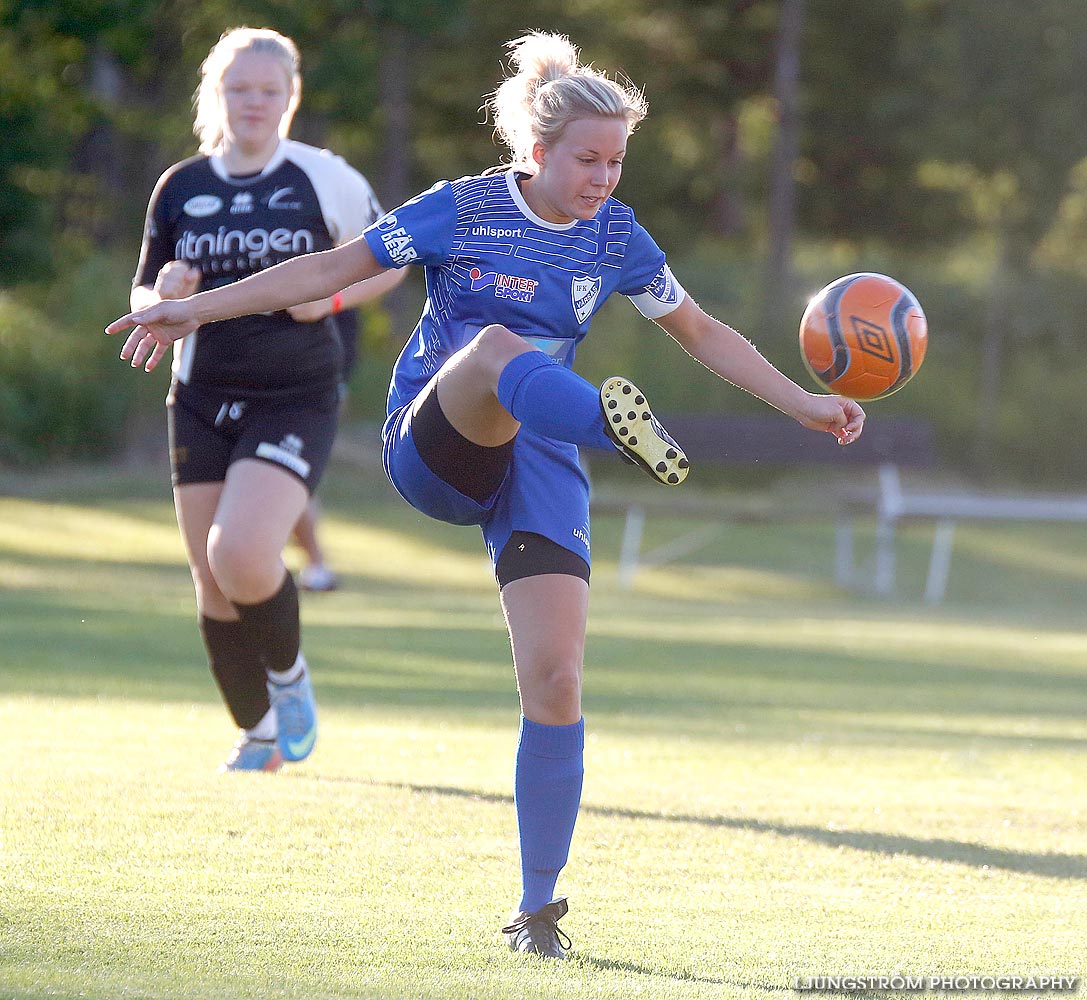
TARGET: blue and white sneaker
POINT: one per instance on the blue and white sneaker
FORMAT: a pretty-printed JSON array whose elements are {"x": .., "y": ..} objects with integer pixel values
[
  {"x": 249, "y": 754},
  {"x": 638, "y": 435},
  {"x": 296, "y": 712}
]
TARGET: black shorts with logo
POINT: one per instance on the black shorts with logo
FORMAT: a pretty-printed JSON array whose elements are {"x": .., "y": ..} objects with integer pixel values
[{"x": 210, "y": 429}]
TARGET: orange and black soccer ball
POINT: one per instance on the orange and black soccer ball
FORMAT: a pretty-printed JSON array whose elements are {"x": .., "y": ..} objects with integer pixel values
[{"x": 863, "y": 336}]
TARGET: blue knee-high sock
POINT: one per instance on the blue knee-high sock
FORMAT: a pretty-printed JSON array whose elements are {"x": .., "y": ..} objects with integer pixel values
[
  {"x": 552, "y": 400},
  {"x": 547, "y": 794}
]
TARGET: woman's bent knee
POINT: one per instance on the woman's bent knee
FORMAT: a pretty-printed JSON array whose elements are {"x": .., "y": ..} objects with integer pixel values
[
  {"x": 495, "y": 346},
  {"x": 243, "y": 571}
]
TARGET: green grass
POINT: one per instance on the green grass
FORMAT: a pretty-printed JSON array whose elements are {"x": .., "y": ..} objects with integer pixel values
[{"x": 783, "y": 779}]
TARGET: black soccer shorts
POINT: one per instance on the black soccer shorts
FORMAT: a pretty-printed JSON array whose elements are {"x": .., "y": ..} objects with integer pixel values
[{"x": 210, "y": 429}]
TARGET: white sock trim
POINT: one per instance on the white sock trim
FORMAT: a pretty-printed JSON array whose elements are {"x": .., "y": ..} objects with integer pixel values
[
  {"x": 290, "y": 675},
  {"x": 267, "y": 727}
]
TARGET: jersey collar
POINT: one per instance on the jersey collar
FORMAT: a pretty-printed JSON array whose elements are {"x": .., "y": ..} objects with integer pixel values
[
  {"x": 519, "y": 201},
  {"x": 276, "y": 160}
]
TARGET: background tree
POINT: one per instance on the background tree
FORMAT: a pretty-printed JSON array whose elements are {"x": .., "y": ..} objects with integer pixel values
[
  {"x": 781, "y": 198},
  {"x": 941, "y": 142}
]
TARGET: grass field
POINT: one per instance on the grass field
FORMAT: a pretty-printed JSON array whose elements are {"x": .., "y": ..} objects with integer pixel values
[{"x": 783, "y": 780}]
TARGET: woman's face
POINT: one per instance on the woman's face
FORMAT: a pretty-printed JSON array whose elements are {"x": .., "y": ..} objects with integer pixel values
[
  {"x": 577, "y": 173},
  {"x": 256, "y": 93}
]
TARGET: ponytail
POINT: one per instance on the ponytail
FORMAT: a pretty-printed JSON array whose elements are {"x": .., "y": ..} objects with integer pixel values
[{"x": 549, "y": 89}]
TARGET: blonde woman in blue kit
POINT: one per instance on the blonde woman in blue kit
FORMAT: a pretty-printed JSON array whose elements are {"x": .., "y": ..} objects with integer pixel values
[{"x": 485, "y": 415}]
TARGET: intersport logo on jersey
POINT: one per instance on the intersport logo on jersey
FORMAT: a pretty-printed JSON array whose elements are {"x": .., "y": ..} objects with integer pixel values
[
  {"x": 251, "y": 242},
  {"x": 506, "y": 286}
]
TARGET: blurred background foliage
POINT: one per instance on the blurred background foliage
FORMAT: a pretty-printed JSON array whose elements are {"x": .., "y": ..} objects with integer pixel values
[{"x": 788, "y": 142}]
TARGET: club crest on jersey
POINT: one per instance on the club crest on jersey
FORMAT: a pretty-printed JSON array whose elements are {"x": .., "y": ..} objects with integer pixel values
[
  {"x": 201, "y": 205},
  {"x": 506, "y": 286},
  {"x": 584, "y": 292},
  {"x": 243, "y": 202}
]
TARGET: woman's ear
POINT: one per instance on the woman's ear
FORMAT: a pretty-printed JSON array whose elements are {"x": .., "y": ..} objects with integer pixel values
[{"x": 539, "y": 153}]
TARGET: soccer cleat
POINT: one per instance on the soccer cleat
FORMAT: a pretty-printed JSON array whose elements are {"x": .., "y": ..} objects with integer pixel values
[
  {"x": 249, "y": 754},
  {"x": 318, "y": 578},
  {"x": 539, "y": 933},
  {"x": 296, "y": 713},
  {"x": 637, "y": 435}
]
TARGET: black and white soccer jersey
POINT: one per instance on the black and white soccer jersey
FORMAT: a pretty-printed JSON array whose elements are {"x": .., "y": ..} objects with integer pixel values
[{"x": 305, "y": 199}]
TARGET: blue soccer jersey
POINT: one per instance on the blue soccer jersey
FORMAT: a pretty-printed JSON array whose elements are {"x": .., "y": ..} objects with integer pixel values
[{"x": 490, "y": 259}]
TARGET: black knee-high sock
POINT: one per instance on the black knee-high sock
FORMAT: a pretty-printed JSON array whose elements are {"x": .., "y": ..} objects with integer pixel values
[
  {"x": 238, "y": 670},
  {"x": 272, "y": 627}
]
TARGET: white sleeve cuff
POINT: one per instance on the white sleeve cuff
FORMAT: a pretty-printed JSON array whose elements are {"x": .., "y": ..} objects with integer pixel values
[{"x": 664, "y": 295}]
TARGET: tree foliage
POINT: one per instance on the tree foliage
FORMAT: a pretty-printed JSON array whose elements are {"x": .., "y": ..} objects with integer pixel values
[{"x": 942, "y": 140}]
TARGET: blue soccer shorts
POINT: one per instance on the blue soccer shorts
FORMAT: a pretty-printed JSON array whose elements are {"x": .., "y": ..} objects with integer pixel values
[{"x": 529, "y": 488}]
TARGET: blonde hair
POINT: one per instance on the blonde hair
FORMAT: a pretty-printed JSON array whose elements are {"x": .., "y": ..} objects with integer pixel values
[
  {"x": 209, "y": 122},
  {"x": 550, "y": 89}
]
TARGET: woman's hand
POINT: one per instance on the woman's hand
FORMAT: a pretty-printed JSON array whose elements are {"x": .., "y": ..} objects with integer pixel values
[
  {"x": 836, "y": 415},
  {"x": 155, "y": 329},
  {"x": 176, "y": 279}
]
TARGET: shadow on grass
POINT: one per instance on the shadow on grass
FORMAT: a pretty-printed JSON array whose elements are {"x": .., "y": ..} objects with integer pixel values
[
  {"x": 679, "y": 976},
  {"x": 1063, "y": 866}
]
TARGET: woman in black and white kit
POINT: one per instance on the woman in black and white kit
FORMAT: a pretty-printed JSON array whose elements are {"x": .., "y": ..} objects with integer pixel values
[{"x": 253, "y": 402}]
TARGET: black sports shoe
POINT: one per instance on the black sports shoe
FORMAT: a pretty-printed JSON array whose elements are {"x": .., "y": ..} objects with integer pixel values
[
  {"x": 634, "y": 430},
  {"x": 539, "y": 933}
]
